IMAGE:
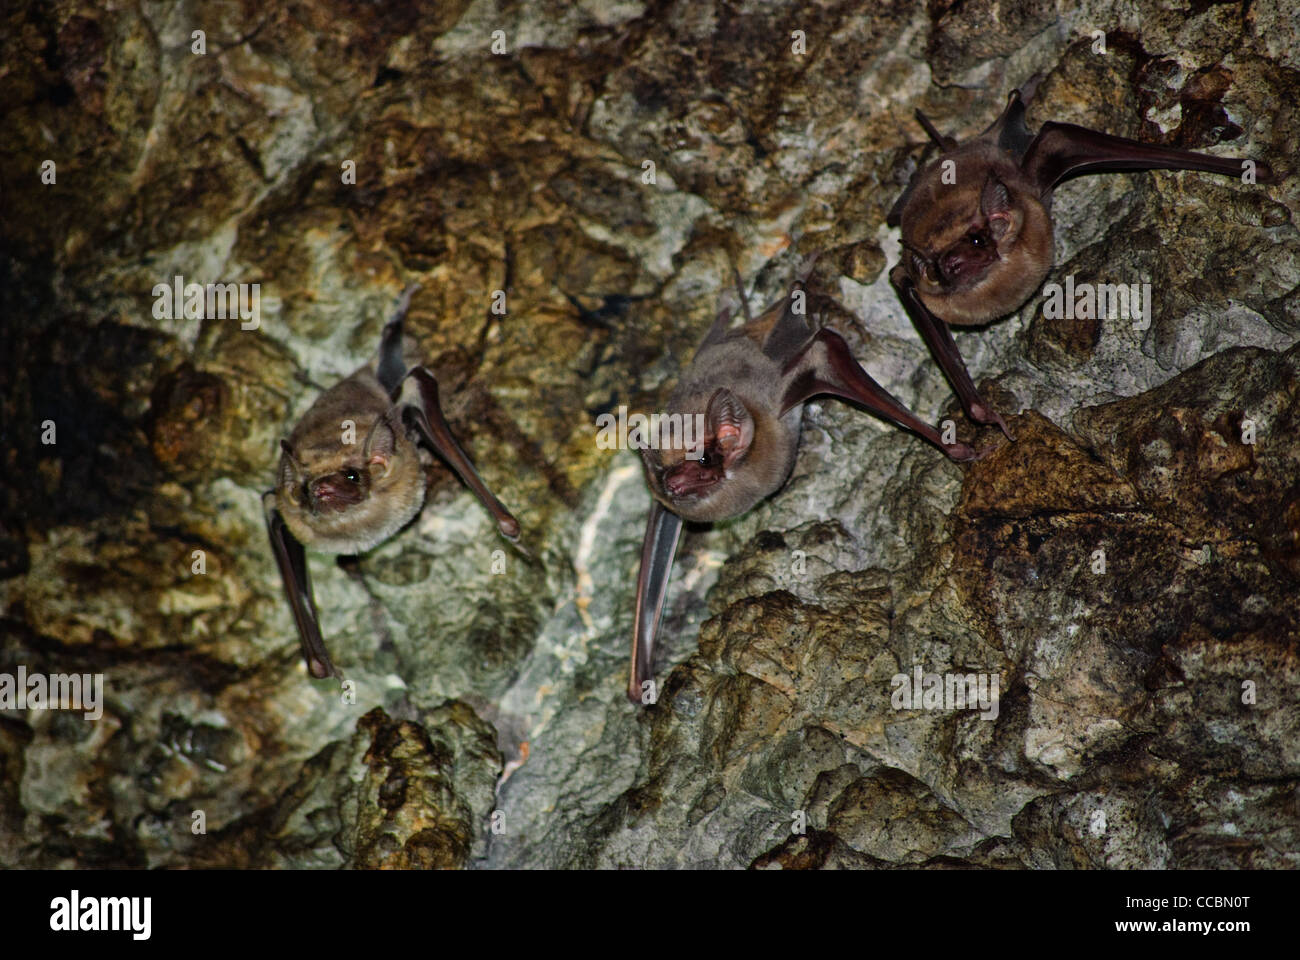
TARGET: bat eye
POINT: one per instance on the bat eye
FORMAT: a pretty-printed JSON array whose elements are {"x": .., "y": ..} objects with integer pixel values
[
  {"x": 351, "y": 476},
  {"x": 978, "y": 239}
]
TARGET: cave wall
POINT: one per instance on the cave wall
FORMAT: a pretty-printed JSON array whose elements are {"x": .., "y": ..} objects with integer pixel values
[{"x": 1148, "y": 711}]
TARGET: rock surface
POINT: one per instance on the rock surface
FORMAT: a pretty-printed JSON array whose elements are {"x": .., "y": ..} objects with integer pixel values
[{"x": 1127, "y": 570}]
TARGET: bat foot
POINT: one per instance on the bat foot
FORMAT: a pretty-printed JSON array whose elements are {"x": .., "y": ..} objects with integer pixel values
[
  {"x": 964, "y": 452},
  {"x": 987, "y": 416},
  {"x": 637, "y": 696},
  {"x": 320, "y": 668}
]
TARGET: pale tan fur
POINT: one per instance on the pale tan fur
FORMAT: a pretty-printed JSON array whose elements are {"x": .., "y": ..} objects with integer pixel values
[
  {"x": 738, "y": 364},
  {"x": 396, "y": 495}
]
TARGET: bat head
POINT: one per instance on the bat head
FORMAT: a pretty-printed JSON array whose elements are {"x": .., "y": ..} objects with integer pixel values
[
  {"x": 341, "y": 497},
  {"x": 978, "y": 252},
  {"x": 739, "y": 460}
]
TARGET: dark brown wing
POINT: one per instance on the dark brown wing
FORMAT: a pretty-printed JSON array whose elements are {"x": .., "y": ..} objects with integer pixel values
[
  {"x": 391, "y": 367},
  {"x": 427, "y": 420},
  {"x": 657, "y": 551},
  {"x": 1062, "y": 151},
  {"x": 939, "y": 339},
  {"x": 292, "y": 561},
  {"x": 827, "y": 366}
]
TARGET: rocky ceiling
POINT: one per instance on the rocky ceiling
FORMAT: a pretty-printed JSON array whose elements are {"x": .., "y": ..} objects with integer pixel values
[{"x": 1127, "y": 570}]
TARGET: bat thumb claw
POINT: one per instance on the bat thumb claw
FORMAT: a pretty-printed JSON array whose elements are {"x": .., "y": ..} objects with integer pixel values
[
  {"x": 1006, "y": 432},
  {"x": 986, "y": 416},
  {"x": 963, "y": 452}
]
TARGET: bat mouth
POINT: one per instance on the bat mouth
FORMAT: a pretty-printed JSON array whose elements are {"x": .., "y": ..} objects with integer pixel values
[
  {"x": 958, "y": 272},
  {"x": 334, "y": 493},
  {"x": 690, "y": 480}
]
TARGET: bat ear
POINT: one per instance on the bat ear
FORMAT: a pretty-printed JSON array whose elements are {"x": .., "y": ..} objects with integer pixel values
[
  {"x": 381, "y": 443},
  {"x": 994, "y": 198},
  {"x": 730, "y": 424},
  {"x": 291, "y": 472},
  {"x": 919, "y": 263},
  {"x": 654, "y": 468},
  {"x": 995, "y": 204}
]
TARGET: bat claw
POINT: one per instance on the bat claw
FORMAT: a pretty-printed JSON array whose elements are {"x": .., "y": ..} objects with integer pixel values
[
  {"x": 988, "y": 417},
  {"x": 964, "y": 452}
]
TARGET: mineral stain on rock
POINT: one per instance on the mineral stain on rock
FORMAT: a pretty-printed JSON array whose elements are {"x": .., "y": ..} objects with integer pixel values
[{"x": 1128, "y": 568}]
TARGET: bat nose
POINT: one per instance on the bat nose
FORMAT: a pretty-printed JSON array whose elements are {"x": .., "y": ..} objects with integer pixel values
[
  {"x": 687, "y": 479},
  {"x": 323, "y": 490},
  {"x": 329, "y": 493}
]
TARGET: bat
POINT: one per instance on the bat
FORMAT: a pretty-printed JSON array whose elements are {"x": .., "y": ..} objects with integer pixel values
[
  {"x": 339, "y": 495},
  {"x": 976, "y": 248},
  {"x": 746, "y": 387}
]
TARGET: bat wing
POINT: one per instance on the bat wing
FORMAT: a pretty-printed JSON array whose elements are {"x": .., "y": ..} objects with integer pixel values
[
  {"x": 788, "y": 332},
  {"x": 423, "y": 412},
  {"x": 657, "y": 551},
  {"x": 719, "y": 330},
  {"x": 939, "y": 339},
  {"x": 1062, "y": 151},
  {"x": 1009, "y": 130},
  {"x": 944, "y": 143},
  {"x": 826, "y": 366},
  {"x": 391, "y": 368},
  {"x": 292, "y": 561}
]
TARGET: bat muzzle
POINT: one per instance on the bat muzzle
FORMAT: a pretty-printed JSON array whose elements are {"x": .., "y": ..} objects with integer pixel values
[
  {"x": 690, "y": 479},
  {"x": 330, "y": 494},
  {"x": 961, "y": 268}
]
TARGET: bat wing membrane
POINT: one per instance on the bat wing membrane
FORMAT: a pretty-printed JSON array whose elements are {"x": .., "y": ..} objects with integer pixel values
[
  {"x": 292, "y": 561},
  {"x": 1062, "y": 151},
  {"x": 789, "y": 333},
  {"x": 425, "y": 416},
  {"x": 657, "y": 551},
  {"x": 391, "y": 369},
  {"x": 939, "y": 339},
  {"x": 826, "y": 366}
]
